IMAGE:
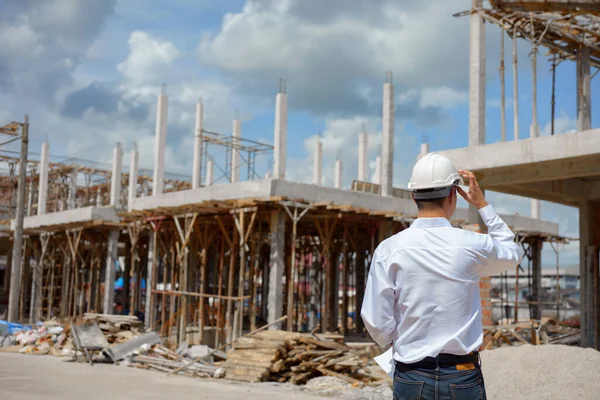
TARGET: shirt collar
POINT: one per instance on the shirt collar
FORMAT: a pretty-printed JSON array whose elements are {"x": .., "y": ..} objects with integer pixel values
[{"x": 430, "y": 223}]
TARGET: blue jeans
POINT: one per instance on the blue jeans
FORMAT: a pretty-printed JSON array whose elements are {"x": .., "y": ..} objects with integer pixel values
[{"x": 438, "y": 384}]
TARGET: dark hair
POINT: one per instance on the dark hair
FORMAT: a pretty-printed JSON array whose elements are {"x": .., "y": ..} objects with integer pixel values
[{"x": 430, "y": 204}]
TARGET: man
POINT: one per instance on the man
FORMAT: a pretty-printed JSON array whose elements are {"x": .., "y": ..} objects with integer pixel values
[{"x": 422, "y": 293}]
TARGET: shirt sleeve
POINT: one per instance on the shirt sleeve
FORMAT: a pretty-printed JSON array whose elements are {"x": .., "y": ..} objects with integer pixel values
[
  {"x": 378, "y": 304},
  {"x": 501, "y": 251}
]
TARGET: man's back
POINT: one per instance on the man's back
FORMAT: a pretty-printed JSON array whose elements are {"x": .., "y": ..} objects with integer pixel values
[{"x": 433, "y": 271}]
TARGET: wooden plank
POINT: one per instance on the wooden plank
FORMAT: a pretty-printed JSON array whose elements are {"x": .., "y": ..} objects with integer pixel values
[
  {"x": 346, "y": 378},
  {"x": 323, "y": 343}
]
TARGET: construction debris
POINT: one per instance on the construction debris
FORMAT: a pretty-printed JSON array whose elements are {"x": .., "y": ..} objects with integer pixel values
[
  {"x": 546, "y": 331},
  {"x": 295, "y": 357}
]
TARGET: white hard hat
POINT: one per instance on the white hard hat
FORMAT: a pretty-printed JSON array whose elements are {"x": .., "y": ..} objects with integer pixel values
[{"x": 433, "y": 177}]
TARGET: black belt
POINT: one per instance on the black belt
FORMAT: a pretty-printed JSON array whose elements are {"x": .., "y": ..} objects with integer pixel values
[{"x": 443, "y": 360}]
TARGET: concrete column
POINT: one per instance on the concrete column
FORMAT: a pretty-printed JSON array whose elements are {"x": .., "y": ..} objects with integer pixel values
[
  {"x": 387, "y": 143},
  {"x": 235, "y": 154},
  {"x": 363, "y": 152},
  {"x": 515, "y": 85},
  {"x": 115, "y": 178},
  {"x": 111, "y": 269},
  {"x": 424, "y": 151},
  {"x": 276, "y": 268},
  {"x": 536, "y": 206},
  {"x": 133, "y": 176},
  {"x": 30, "y": 199},
  {"x": 209, "y": 173},
  {"x": 589, "y": 240},
  {"x": 476, "y": 77},
  {"x": 377, "y": 178},
  {"x": 150, "y": 284},
  {"x": 98, "y": 198},
  {"x": 162, "y": 110},
  {"x": 318, "y": 163},
  {"x": 584, "y": 90},
  {"x": 43, "y": 184},
  {"x": 337, "y": 178},
  {"x": 72, "y": 189},
  {"x": 280, "y": 139},
  {"x": 536, "y": 279},
  {"x": 196, "y": 178}
]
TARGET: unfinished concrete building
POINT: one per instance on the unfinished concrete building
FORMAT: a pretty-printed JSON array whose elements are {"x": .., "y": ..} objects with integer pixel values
[
  {"x": 207, "y": 259},
  {"x": 561, "y": 168}
]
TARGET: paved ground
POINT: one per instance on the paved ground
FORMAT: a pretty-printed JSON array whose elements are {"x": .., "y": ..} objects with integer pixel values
[{"x": 43, "y": 377}]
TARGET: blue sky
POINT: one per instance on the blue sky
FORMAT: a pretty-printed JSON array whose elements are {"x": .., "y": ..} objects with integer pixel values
[{"x": 88, "y": 73}]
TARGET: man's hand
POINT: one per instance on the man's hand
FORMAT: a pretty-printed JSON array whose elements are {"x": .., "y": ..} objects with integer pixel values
[{"x": 475, "y": 195}]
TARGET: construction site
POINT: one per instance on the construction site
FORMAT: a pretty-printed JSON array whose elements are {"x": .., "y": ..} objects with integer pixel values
[{"x": 210, "y": 258}]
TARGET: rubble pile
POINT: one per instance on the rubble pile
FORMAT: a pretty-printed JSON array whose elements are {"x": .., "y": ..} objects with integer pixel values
[{"x": 295, "y": 357}]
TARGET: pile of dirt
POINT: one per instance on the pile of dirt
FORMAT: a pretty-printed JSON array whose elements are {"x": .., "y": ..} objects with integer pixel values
[{"x": 541, "y": 372}]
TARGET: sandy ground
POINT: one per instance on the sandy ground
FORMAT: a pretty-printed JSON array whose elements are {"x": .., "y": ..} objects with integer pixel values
[{"x": 41, "y": 377}]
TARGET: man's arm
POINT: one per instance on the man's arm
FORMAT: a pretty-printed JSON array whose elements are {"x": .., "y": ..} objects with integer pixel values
[
  {"x": 500, "y": 250},
  {"x": 378, "y": 304}
]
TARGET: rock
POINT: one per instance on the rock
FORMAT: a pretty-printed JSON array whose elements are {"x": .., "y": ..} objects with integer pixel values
[{"x": 219, "y": 373}]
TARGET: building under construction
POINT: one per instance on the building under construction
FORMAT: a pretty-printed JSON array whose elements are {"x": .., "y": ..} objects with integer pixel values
[{"x": 204, "y": 260}]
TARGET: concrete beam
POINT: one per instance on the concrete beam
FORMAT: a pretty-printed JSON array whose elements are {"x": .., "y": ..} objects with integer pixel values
[
  {"x": 545, "y": 5},
  {"x": 76, "y": 216},
  {"x": 274, "y": 187},
  {"x": 516, "y": 222}
]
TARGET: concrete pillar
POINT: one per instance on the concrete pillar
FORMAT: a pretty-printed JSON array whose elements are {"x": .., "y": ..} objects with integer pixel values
[
  {"x": 584, "y": 90},
  {"x": 111, "y": 270},
  {"x": 536, "y": 206},
  {"x": 162, "y": 110},
  {"x": 476, "y": 77},
  {"x": 280, "y": 139},
  {"x": 387, "y": 142},
  {"x": 536, "y": 279},
  {"x": 337, "y": 178},
  {"x": 209, "y": 173},
  {"x": 72, "y": 189},
  {"x": 423, "y": 151},
  {"x": 235, "y": 154},
  {"x": 30, "y": 199},
  {"x": 276, "y": 268},
  {"x": 196, "y": 178},
  {"x": 115, "y": 178},
  {"x": 43, "y": 184},
  {"x": 377, "y": 178},
  {"x": 98, "y": 198},
  {"x": 363, "y": 154},
  {"x": 318, "y": 163},
  {"x": 133, "y": 176},
  {"x": 589, "y": 240},
  {"x": 150, "y": 284}
]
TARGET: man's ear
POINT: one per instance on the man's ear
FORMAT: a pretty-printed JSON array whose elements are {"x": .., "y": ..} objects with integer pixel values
[{"x": 412, "y": 194}]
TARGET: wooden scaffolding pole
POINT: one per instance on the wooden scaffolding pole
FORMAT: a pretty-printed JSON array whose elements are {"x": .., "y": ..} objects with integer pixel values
[
  {"x": 244, "y": 233},
  {"x": 183, "y": 260}
]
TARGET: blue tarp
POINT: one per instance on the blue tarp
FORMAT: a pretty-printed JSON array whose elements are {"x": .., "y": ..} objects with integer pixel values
[
  {"x": 15, "y": 328},
  {"x": 119, "y": 283}
]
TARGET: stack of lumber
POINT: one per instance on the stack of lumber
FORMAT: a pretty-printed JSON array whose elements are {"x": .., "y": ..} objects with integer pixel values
[
  {"x": 546, "y": 331},
  {"x": 295, "y": 357}
]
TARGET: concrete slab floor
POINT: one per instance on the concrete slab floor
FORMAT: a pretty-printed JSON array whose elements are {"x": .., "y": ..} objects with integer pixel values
[{"x": 44, "y": 377}]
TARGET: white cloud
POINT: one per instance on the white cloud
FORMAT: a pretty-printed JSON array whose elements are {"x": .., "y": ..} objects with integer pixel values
[
  {"x": 562, "y": 124},
  {"x": 148, "y": 59},
  {"x": 443, "y": 97}
]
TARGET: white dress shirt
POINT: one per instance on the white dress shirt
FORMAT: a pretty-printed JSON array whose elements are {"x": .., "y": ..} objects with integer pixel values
[{"x": 422, "y": 293}]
